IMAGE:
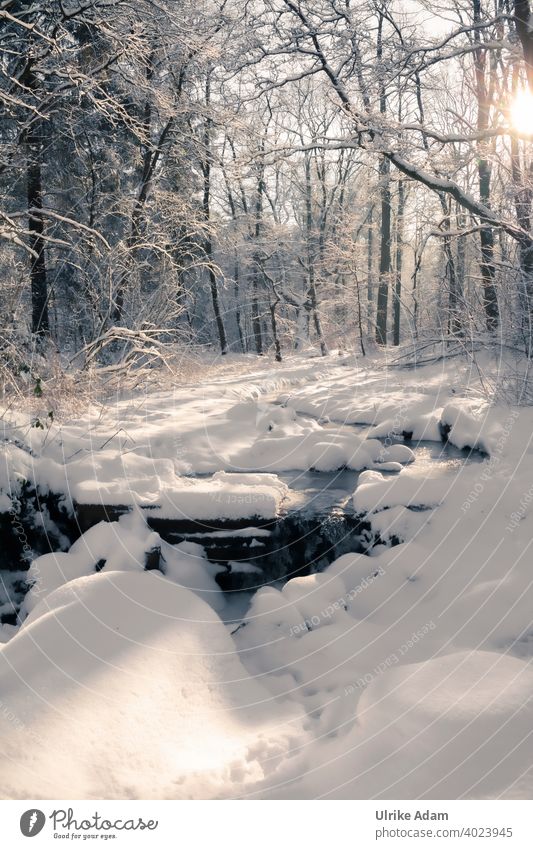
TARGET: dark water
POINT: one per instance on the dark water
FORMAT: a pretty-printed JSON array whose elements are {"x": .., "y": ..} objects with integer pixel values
[{"x": 318, "y": 522}]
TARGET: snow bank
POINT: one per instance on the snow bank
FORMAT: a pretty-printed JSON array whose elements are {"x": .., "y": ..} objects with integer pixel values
[
  {"x": 129, "y": 687},
  {"x": 470, "y": 425},
  {"x": 323, "y": 450},
  {"x": 15, "y": 468},
  {"x": 411, "y": 488},
  {"x": 415, "y": 421},
  {"x": 147, "y": 450},
  {"x": 119, "y": 546},
  {"x": 402, "y": 659},
  {"x": 457, "y": 726}
]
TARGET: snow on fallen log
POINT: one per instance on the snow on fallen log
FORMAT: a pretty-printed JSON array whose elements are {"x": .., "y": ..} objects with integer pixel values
[
  {"x": 222, "y": 496},
  {"x": 409, "y": 489}
]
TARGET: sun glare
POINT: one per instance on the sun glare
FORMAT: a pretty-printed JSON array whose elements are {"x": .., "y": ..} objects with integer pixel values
[{"x": 522, "y": 112}]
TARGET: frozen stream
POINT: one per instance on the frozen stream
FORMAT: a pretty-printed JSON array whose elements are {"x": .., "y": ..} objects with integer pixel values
[
  {"x": 317, "y": 524},
  {"x": 323, "y": 494}
]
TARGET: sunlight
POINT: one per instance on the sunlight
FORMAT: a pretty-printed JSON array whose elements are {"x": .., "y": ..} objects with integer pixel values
[{"x": 522, "y": 112}]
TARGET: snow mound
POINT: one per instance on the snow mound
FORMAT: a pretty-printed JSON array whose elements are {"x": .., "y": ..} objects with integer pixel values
[
  {"x": 397, "y": 523},
  {"x": 469, "y": 426},
  {"x": 324, "y": 450},
  {"x": 129, "y": 687},
  {"x": 119, "y": 547},
  {"x": 417, "y": 421},
  {"x": 411, "y": 488},
  {"x": 15, "y": 468},
  {"x": 451, "y": 727}
]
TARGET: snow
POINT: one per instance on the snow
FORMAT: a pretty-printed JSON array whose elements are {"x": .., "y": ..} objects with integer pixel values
[
  {"x": 157, "y": 451},
  {"x": 454, "y": 727},
  {"x": 244, "y": 567},
  {"x": 15, "y": 468},
  {"x": 128, "y": 686},
  {"x": 399, "y": 523},
  {"x": 411, "y": 488},
  {"x": 5, "y": 503},
  {"x": 223, "y": 496},
  {"x": 404, "y": 672},
  {"x": 120, "y": 546}
]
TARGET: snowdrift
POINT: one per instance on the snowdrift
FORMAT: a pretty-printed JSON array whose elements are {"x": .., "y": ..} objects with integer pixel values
[{"x": 125, "y": 685}]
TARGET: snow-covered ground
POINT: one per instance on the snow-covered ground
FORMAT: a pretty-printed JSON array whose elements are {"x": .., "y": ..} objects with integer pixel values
[{"x": 402, "y": 673}]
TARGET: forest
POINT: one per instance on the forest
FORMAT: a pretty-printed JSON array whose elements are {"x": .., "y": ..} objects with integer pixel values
[{"x": 259, "y": 177}]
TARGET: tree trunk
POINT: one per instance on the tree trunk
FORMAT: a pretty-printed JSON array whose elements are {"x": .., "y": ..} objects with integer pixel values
[
  {"x": 256, "y": 319},
  {"x": 33, "y": 143},
  {"x": 370, "y": 271},
  {"x": 385, "y": 254},
  {"x": 310, "y": 238},
  {"x": 453, "y": 318},
  {"x": 38, "y": 276},
  {"x": 360, "y": 317},
  {"x": 486, "y": 234},
  {"x": 399, "y": 258},
  {"x": 488, "y": 272},
  {"x": 456, "y": 297},
  {"x": 522, "y": 195},
  {"x": 257, "y": 260},
  {"x": 522, "y": 11},
  {"x": 386, "y": 212},
  {"x": 277, "y": 347},
  {"x": 208, "y": 244},
  {"x": 215, "y": 298},
  {"x": 316, "y": 315},
  {"x": 236, "y": 293}
]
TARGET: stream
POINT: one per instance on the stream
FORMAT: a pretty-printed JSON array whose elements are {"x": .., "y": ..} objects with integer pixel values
[{"x": 316, "y": 526}]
